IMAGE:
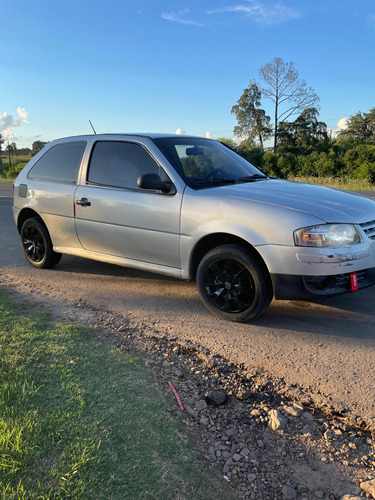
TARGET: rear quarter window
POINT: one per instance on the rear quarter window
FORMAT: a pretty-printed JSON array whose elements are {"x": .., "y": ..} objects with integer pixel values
[{"x": 60, "y": 163}]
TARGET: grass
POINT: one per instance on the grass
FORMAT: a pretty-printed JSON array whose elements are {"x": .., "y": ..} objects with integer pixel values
[
  {"x": 344, "y": 183},
  {"x": 15, "y": 158},
  {"x": 79, "y": 419},
  {"x": 9, "y": 172}
]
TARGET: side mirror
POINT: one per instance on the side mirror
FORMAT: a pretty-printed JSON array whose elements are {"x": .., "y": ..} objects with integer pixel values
[{"x": 154, "y": 182}]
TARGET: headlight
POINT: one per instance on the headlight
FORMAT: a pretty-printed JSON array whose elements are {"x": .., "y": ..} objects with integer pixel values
[{"x": 327, "y": 235}]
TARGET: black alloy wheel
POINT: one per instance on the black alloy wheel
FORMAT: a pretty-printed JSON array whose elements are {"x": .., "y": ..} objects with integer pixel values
[
  {"x": 33, "y": 244},
  {"x": 37, "y": 245},
  {"x": 232, "y": 283},
  {"x": 229, "y": 285}
]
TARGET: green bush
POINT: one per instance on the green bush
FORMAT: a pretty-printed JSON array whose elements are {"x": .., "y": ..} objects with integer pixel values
[
  {"x": 360, "y": 162},
  {"x": 286, "y": 164},
  {"x": 253, "y": 155},
  {"x": 270, "y": 164},
  {"x": 14, "y": 170}
]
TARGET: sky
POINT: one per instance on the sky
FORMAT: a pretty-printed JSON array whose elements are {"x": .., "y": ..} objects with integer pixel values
[{"x": 163, "y": 66}]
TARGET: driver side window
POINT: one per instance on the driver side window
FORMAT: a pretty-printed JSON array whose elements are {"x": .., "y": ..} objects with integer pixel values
[{"x": 119, "y": 164}]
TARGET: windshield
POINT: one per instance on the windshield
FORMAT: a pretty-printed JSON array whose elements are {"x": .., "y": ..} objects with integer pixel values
[{"x": 205, "y": 163}]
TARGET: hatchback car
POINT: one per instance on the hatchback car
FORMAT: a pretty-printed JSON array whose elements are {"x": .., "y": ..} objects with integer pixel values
[{"x": 192, "y": 208}]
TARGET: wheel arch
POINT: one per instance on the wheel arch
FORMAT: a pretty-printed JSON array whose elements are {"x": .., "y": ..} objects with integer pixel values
[
  {"x": 211, "y": 241},
  {"x": 27, "y": 213}
]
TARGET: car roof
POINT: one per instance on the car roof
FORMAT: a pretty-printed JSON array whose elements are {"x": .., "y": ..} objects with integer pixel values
[{"x": 152, "y": 135}]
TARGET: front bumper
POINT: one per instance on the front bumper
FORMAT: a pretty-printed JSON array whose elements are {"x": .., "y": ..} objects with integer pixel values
[{"x": 294, "y": 287}]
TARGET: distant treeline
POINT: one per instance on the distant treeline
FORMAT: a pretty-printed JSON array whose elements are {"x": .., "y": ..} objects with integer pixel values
[
  {"x": 13, "y": 159},
  {"x": 306, "y": 149}
]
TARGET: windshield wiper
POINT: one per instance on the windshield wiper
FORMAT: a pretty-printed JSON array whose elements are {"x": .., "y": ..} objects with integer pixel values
[
  {"x": 215, "y": 180},
  {"x": 253, "y": 177}
]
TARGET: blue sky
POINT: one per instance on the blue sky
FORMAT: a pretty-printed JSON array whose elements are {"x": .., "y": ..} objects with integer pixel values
[{"x": 160, "y": 66}]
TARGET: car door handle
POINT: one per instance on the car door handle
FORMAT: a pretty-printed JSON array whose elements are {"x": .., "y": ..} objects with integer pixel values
[{"x": 83, "y": 202}]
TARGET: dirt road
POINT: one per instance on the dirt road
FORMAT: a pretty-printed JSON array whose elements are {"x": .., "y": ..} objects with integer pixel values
[{"x": 325, "y": 347}]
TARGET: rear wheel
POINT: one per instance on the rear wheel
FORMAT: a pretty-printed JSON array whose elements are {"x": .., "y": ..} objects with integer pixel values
[
  {"x": 37, "y": 244},
  {"x": 232, "y": 284}
]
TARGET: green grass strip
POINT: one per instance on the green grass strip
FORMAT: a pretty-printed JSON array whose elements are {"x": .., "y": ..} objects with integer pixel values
[
  {"x": 340, "y": 183},
  {"x": 80, "y": 419}
]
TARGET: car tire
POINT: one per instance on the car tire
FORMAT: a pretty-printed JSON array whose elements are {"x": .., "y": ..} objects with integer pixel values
[
  {"x": 37, "y": 245},
  {"x": 232, "y": 283}
]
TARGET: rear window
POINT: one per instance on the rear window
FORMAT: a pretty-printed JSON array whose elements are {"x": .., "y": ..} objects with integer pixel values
[{"x": 60, "y": 163}]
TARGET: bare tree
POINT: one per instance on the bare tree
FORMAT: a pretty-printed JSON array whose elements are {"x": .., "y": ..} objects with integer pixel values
[{"x": 286, "y": 90}]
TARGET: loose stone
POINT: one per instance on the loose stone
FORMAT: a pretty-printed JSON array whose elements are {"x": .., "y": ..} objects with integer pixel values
[
  {"x": 289, "y": 492},
  {"x": 216, "y": 398},
  {"x": 369, "y": 487},
  {"x": 277, "y": 420},
  {"x": 200, "y": 405}
]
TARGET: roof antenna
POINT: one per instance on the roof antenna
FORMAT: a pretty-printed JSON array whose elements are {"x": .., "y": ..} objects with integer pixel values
[{"x": 92, "y": 127}]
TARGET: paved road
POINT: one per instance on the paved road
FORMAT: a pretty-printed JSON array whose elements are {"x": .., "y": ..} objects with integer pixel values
[
  {"x": 370, "y": 194},
  {"x": 6, "y": 189},
  {"x": 326, "y": 347}
]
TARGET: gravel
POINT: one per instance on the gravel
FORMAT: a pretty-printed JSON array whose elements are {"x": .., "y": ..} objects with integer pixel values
[{"x": 267, "y": 446}]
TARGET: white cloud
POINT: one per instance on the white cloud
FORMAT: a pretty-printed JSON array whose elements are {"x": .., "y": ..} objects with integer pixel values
[
  {"x": 208, "y": 135},
  {"x": 179, "y": 131},
  {"x": 8, "y": 123},
  {"x": 260, "y": 12},
  {"x": 343, "y": 123},
  {"x": 180, "y": 17}
]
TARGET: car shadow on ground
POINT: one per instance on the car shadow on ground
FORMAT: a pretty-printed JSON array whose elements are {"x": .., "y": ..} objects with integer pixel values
[
  {"x": 79, "y": 265},
  {"x": 345, "y": 316},
  {"x": 336, "y": 317}
]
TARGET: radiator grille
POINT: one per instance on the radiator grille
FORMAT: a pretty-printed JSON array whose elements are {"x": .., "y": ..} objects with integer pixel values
[
  {"x": 369, "y": 228},
  {"x": 344, "y": 279},
  {"x": 337, "y": 282}
]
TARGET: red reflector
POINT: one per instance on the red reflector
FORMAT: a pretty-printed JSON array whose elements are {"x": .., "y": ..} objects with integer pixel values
[{"x": 353, "y": 282}]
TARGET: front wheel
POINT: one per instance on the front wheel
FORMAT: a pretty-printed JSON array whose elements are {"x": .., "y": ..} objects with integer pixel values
[
  {"x": 232, "y": 284},
  {"x": 37, "y": 244}
]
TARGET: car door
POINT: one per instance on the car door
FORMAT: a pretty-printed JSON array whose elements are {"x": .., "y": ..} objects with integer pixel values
[
  {"x": 51, "y": 184},
  {"x": 115, "y": 217}
]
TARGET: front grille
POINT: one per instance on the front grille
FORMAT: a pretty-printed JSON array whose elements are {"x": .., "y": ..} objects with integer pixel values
[
  {"x": 369, "y": 228},
  {"x": 343, "y": 280},
  {"x": 337, "y": 282}
]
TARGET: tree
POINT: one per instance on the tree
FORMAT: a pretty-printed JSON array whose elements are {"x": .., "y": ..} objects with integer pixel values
[
  {"x": 303, "y": 135},
  {"x": 37, "y": 146},
  {"x": 286, "y": 90},
  {"x": 228, "y": 142},
  {"x": 252, "y": 120},
  {"x": 361, "y": 127},
  {"x": 360, "y": 162},
  {"x": 11, "y": 148},
  {"x": 1, "y": 142}
]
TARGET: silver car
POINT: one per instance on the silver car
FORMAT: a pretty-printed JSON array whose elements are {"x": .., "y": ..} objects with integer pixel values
[{"x": 192, "y": 208}]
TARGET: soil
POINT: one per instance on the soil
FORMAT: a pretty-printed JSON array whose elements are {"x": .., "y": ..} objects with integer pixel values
[{"x": 269, "y": 440}]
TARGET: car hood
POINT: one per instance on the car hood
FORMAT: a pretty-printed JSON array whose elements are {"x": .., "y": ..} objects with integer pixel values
[{"x": 330, "y": 205}]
